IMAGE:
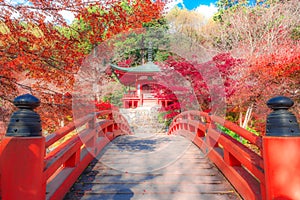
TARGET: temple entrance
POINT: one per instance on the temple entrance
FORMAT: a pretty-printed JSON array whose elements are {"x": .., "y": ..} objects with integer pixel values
[{"x": 142, "y": 79}]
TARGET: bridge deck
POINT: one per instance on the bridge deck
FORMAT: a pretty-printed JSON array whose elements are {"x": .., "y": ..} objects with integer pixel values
[{"x": 151, "y": 167}]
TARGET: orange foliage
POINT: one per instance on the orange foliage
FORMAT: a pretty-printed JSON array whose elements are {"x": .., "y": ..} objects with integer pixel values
[{"x": 35, "y": 57}]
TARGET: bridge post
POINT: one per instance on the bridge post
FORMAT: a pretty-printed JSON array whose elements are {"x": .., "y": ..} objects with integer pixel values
[
  {"x": 23, "y": 151},
  {"x": 281, "y": 147}
]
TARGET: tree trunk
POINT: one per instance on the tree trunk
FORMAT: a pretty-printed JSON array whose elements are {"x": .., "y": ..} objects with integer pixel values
[{"x": 247, "y": 116}]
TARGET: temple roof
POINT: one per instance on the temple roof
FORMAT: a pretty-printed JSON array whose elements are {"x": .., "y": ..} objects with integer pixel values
[{"x": 149, "y": 67}]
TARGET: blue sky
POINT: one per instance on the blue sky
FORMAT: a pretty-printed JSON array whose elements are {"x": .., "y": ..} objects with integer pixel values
[
  {"x": 193, "y": 4},
  {"x": 205, "y": 7}
]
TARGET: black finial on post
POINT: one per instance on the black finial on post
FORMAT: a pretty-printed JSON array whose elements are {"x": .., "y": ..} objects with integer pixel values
[
  {"x": 281, "y": 122},
  {"x": 25, "y": 122}
]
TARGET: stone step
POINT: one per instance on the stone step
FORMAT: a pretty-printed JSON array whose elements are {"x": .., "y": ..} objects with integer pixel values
[{"x": 144, "y": 119}]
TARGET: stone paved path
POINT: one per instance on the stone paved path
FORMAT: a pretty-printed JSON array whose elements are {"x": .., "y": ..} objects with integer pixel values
[{"x": 151, "y": 167}]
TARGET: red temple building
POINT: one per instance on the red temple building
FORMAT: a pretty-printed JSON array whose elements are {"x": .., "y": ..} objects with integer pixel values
[{"x": 142, "y": 79}]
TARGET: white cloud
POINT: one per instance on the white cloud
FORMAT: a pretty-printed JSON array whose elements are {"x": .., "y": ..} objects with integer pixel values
[
  {"x": 18, "y": 2},
  {"x": 207, "y": 11},
  {"x": 67, "y": 15},
  {"x": 171, "y": 4}
]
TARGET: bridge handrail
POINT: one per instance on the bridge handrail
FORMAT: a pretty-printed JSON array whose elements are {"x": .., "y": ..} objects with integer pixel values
[
  {"x": 242, "y": 166},
  {"x": 69, "y": 152},
  {"x": 62, "y": 132},
  {"x": 252, "y": 138},
  {"x": 66, "y": 161}
]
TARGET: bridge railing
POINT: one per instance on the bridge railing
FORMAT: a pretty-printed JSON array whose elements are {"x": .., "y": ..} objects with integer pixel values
[
  {"x": 242, "y": 166},
  {"x": 263, "y": 168},
  {"x": 37, "y": 167}
]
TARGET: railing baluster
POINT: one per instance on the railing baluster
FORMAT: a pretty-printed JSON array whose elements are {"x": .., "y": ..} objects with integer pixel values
[
  {"x": 73, "y": 160},
  {"x": 230, "y": 159}
]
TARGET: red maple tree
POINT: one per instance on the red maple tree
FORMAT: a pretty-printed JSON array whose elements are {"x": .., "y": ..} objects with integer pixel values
[
  {"x": 267, "y": 75},
  {"x": 38, "y": 57},
  {"x": 198, "y": 86}
]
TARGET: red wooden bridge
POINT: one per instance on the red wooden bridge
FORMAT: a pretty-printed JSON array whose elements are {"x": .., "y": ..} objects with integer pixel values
[{"x": 104, "y": 160}]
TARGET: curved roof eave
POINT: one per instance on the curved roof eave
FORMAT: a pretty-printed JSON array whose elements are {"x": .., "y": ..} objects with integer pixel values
[{"x": 146, "y": 68}]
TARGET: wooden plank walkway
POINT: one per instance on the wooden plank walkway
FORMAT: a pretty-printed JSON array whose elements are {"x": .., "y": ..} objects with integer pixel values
[{"x": 151, "y": 167}]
